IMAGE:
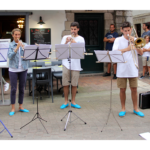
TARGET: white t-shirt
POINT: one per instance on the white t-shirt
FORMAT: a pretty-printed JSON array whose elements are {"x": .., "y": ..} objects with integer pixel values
[
  {"x": 146, "y": 53},
  {"x": 75, "y": 63},
  {"x": 128, "y": 69},
  {"x": 20, "y": 68}
]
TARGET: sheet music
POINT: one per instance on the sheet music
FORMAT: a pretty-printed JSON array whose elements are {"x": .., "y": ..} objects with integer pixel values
[
  {"x": 30, "y": 52},
  {"x": 77, "y": 50},
  {"x": 102, "y": 56},
  {"x": 43, "y": 51},
  {"x": 62, "y": 51},
  {"x": 117, "y": 56},
  {"x": 4, "y": 46}
]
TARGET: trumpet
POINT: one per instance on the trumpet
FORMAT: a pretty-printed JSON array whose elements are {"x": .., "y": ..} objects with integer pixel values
[{"x": 138, "y": 43}]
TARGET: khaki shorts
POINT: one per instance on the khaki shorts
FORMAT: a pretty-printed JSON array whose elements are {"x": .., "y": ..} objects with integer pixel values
[
  {"x": 122, "y": 82},
  {"x": 66, "y": 77},
  {"x": 145, "y": 62}
]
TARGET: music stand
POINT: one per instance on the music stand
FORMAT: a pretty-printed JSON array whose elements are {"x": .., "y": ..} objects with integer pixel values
[
  {"x": 36, "y": 52},
  {"x": 72, "y": 51},
  {"x": 110, "y": 57},
  {"x": 4, "y": 46}
]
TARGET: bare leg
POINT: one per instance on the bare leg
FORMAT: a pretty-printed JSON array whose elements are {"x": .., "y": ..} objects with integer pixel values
[
  {"x": 115, "y": 68},
  {"x": 13, "y": 107},
  {"x": 149, "y": 70},
  {"x": 123, "y": 98},
  {"x": 144, "y": 69},
  {"x": 20, "y": 106},
  {"x": 108, "y": 67},
  {"x": 73, "y": 91},
  {"x": 66, "y": 91},
  {"x": 134, "y": 98}
]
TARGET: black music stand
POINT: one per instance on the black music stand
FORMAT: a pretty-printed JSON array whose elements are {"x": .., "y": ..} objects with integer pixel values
[
  {"x": 110, "y": 57},
  {"x": 34, "y": 52},
  {"x": 72, "y": 51}
]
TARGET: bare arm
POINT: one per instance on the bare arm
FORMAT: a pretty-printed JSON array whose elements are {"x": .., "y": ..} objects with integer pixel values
[
  {"x": 105, "y": 39},
  {"x": 140, "y": 51},
  {"x": 111, "y": 40}
]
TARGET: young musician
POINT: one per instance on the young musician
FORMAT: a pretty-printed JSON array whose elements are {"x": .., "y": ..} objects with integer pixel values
[
  {"x": 75, "y": 67},
  {"x": 145, "y": 56},
  {"x": 17, "y": 70},
  {"x": 127, "y": 70}
]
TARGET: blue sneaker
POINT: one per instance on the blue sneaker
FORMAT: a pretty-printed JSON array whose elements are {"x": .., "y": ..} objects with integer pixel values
[
  {"x": 75, "y": 106},
  {"x": 64, "y": 106},
  {"x": 139, "y": 113},
  {"x": 11, "y": 113},
  {"x": 122, "y": 113},
  {"x": 24, "y": 110}
]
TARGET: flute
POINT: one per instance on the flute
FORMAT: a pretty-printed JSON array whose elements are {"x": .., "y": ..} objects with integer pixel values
[{"x": 21, "y": 44}]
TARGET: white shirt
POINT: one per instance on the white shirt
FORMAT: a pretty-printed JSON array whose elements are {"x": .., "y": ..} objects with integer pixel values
[
  {"x": 128, "y": 69},
  {"x": 20, "y": 68},
  {"x": 146, "y": 53},
  {"x": 75, "y": 63}
]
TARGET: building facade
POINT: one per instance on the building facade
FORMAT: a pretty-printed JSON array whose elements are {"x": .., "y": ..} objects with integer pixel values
[{"x": 94, "y": 24}]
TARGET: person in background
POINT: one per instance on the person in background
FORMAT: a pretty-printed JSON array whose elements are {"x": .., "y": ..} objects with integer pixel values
[
  {"x": 146, "y": 28},
  {"x": 109, "y": 39},
  {"x": 145, "y": 56},
  {"x": 17, "y": 70}
]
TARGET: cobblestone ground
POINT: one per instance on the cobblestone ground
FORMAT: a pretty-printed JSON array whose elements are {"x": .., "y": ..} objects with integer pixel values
[{"x": 94, "y": 98}]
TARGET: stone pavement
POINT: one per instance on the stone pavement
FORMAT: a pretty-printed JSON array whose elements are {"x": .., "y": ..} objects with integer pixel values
[{"x": 94, "y": 98}]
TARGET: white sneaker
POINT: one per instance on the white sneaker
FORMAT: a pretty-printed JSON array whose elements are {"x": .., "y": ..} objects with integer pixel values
[{"x": 6, "y": 87}]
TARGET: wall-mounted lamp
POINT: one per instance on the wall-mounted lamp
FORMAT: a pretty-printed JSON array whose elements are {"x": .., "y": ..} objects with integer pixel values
[{"x": 41, "y": 22}]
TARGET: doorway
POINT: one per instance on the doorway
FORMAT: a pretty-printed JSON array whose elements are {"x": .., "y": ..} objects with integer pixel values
[{"x": 92, "y": 29}]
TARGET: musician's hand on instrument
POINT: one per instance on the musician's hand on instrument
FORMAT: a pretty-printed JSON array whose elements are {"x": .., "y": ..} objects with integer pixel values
[
  {"x": 73, "y": 41},
  {"x": 68, "y": 40},
  {"x": 131, "y": 38},
  {"x": 144, "y": 50}
]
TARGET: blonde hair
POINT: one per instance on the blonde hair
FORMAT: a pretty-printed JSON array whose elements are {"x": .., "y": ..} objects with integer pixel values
[{"x": 16, "y": 29}]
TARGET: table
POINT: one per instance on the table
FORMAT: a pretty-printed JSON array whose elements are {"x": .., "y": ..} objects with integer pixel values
[{"x": 54, "y": 69}]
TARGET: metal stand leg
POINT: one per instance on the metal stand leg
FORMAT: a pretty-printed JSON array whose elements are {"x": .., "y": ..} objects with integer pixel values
[
  {"x": 36, "y": 116},
  {"x": 111, "y": 103},
  {"x": 70, "y": 111},
  {"x": 5, "y": 129}
]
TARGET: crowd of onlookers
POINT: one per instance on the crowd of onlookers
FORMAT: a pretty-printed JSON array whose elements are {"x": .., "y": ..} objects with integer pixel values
[{"x": 110, "y": 38}]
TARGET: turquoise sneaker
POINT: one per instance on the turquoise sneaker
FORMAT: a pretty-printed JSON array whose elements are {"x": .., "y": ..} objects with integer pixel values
[
  {"x": 64, "y": 106},
  {"x": 11, "y": 113},
  {"x": 75, "y": 106},
  {"x": 122, "y": 113},
  {"x": 139, "y": 113},
  {"x": 24, "y": 110}
]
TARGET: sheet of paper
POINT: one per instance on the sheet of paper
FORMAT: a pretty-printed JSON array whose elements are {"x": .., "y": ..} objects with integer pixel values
[
  {"x": 4, "y": 46},
  {"x": 102, "y": 56},
  {"x": 30, "y": 52},
  {"x": 62, "y": 51},
  {"x": 77, "y": 50},
  {"x": 116, "y": 57},
  {"x": 145, "y": 135}
]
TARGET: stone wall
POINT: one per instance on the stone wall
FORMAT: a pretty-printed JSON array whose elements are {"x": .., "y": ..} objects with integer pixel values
[{"x": 116, "y": 16}]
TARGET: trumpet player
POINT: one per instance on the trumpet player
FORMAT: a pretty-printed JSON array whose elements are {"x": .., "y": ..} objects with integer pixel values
[
  {"x": 127, "y": 70},
  {"x": 75, "y": 67}
]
